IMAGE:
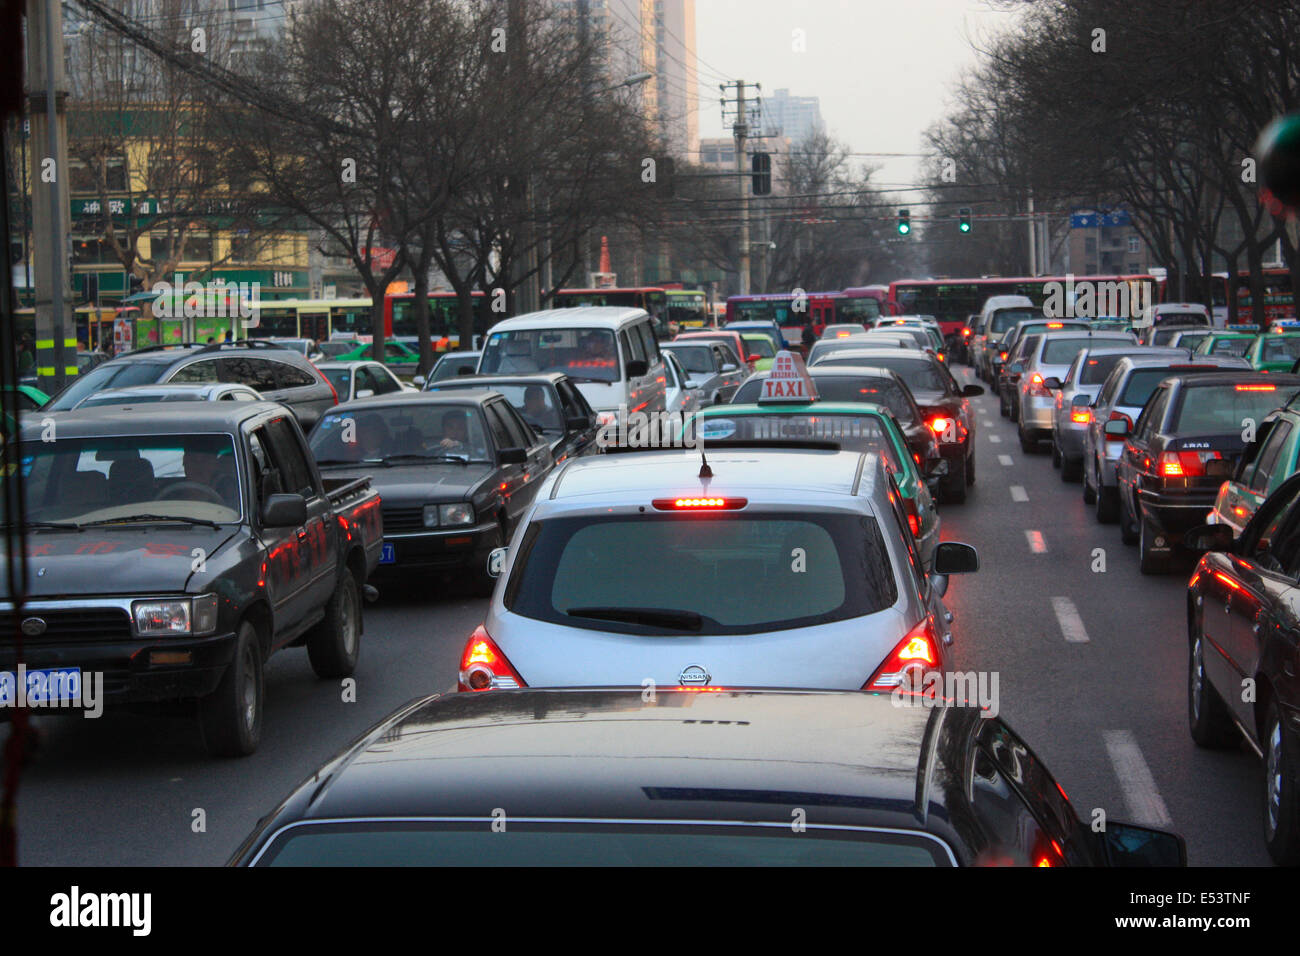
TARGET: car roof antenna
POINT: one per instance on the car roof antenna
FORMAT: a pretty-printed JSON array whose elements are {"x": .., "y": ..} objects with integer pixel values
[{"x": 705, "y": 471}]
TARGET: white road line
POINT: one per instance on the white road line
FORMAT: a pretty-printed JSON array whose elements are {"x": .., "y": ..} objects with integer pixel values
[
  {"x": 1067, "y": 615},
  {"x": 995, "y": 439},
  {"x": 1145, "y": 805},
  {"x": 1018, "y": 493},
  {"x": 1006, "y": 460},
  {"x": 987, "y": 422},
  {"x": 1036, "y": 542}
]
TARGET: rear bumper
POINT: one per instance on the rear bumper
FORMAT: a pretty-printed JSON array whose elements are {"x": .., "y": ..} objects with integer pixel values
[
  {"x": 1036, "y": 414},
  {"x": 1177, "y": 511}
]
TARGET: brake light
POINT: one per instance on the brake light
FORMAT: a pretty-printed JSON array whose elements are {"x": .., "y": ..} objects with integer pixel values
[
  {"x": 939, "y": 425},
  {"x": 484, "y": 667},
  {"x": 699, "y": 504},
  {"x": 1185, "y": 464},
  {"x": 1037, "y": 389},
  {"x": 941, "y": 357},
  {"x": 965, "y": 332},
  {"x": 1002, "y": 356},
  {"x": 1256, "y": 388},
  {"x": 1056, "y": 325},
  {"x": 915, "y": 655},
  {"x": 841, "y": 335},
  {"x": 1081, "y": 418}
]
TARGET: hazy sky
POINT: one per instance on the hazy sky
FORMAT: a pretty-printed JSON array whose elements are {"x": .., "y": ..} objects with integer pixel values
[{"x": 882, "y": 68}]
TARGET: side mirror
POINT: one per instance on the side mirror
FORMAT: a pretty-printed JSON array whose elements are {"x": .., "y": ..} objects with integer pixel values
[
  {"x": 690, "y": 383},
  {"x": 730, "y": 368},
  {"x": 365, "y": 393},
  {"x": 512, "y": 456},
  {"x": 970, "y": 391},
  {"x": 1209, "y": 537},
  {"x": 1081, "y": 400},
  {"x": 1116, "y": 428},
  {"x": 577, "y": 423},
  {"x": 1015, "y": 368},
  {"x": 953, "y": 557},
  {"x": 1126, "y": 844},
  {"x": 496, "y": 562},
  {"x": 418, "y": 381},
  {"x": 637, "y": 367},
  {"x": 284, "y": 511},
  {"x": 1053, "y": 383}
]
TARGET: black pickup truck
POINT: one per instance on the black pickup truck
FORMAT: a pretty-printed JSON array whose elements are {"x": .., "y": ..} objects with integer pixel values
[{"x": 172, "y": 550}]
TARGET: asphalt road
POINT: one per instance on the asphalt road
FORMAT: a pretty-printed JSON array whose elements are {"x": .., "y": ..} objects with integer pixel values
[{"x": 1091, "y": 671}]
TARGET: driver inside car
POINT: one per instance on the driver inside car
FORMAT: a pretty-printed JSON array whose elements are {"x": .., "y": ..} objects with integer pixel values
[{"x": 215, "y": 471}]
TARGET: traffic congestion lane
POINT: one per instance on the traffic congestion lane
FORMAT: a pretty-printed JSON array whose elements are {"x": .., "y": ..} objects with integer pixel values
[
  {"x": 1092, "y": 665},
  {"x": 122, "y": 790}
]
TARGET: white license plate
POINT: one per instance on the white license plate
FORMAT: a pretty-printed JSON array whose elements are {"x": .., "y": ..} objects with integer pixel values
[{"x": 43, "y": 686}]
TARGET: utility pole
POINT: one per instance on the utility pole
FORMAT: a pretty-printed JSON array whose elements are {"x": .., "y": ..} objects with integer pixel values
[
  {"x": 1033, "y": 231},
  {"x": 740, "y": 129},
  {"x": 56, "y": 341}
]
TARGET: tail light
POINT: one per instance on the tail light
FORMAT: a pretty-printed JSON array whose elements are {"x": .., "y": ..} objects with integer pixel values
[
  {"x": 1119, "y": 417},
  {"x": 699, "y": 504},
  {"x": 1081, "y": 417},
  {"x": 1185, "y": 464},
  {"x": 949, "y": 430},
  {"x": 1002, "y": 356},
  {"x": 941, "y": 357},
  {"x": 1037, "y": 389},
  {"x": 484, "y": 667},
  {"x": 965, "y": 333},
  {"x": 915, "y": 656}
]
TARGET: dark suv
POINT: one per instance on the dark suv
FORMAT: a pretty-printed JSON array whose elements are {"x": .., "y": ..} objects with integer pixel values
[{"x": 278, "y": 374}]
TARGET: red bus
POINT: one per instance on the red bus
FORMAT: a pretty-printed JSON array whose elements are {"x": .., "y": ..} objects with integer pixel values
[
  {"x": 819, "y": 310},
  {"x": 952, "y": 301},
  {"x": 444, "y": 317},
  {"x": 654, "y": 299},
  {"x": 865, "y": 304}
]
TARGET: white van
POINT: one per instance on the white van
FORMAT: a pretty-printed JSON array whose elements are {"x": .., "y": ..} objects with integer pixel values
[
  {"x": 998, "y": 316},
  {"x": 609, "y": 352}
]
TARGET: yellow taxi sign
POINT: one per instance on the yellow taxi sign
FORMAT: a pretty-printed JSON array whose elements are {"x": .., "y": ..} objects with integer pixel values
[{"x": 788, "y": 380}]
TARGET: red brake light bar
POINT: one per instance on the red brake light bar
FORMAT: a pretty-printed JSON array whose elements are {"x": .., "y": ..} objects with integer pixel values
[
  {"x": 699, "y": 504},
  {"x": 1256, "y": 388}
]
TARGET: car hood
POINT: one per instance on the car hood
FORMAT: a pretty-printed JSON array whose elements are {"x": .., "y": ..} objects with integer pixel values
[
  {"x": 418, "y": 484},
  {"x": 122, "y": 560}
]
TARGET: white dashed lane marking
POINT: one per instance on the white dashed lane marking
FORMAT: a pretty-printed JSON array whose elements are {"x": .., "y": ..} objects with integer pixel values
[
  {"x": 1036, "y": 542},
  {"x": 1067, "y": 615},
  {"x": 995, "y": 439},
  {"x": 1006, "y": 460},
  {"x": 1145, "y": 805},
  {"x": 1019, "y": 494}
]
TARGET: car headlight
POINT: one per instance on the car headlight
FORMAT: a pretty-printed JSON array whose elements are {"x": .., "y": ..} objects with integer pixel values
[
  {"x": 460, "y": 513},
  {"x": 175, "y": 618}
]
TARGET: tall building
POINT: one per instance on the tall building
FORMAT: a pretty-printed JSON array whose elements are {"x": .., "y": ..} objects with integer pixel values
[{"x": 794, "y": 117}]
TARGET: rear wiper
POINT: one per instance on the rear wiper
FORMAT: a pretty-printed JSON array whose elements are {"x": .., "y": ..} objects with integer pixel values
[
  {"x": 677, "y": 620},
  {"x": 134, "y": 518}
]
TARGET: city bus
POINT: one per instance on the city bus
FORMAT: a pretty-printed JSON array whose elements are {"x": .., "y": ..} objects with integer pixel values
[
  {"x": 688, "y": 308},
  {"x": 951, "y": 301},
  {"x": 1279, "y": 299},
  {"x": 865, "y": 304},
  {"x": 653, "y": 299},
  {"x": 94, "y": 326},
  {"x": 819, "y": 309}
]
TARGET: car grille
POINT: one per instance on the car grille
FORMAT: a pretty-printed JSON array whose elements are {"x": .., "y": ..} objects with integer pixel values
[
  {"x": 403, "y": 519},
  {"x": 69, "y": 625}
]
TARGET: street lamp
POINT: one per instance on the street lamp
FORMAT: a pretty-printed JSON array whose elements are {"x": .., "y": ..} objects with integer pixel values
[{"x": 636, "y": 79}]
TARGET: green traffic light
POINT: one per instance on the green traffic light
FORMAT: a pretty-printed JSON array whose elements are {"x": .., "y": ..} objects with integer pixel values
[
  {"x": 964, "y": 227},
  {"x": 904, "y": 228}
]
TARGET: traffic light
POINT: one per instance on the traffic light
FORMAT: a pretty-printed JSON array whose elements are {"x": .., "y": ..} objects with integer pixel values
[
  {"x": 761, "y": 164},
  {"x": 963, "y": 220},
  {"x": 904, "y": 221}
]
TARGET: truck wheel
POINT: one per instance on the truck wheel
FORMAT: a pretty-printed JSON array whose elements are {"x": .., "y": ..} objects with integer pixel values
[
  {"x": 231, "y": 716},
  {"x": 1207, "y": 715},
  {"x": 1281, "y": 821},
  {"x": 334, "y": 644}
]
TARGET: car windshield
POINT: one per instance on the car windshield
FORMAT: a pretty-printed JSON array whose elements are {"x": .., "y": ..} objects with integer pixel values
[
  {"x": 760, "y": 345},
  {"x": 376, "y": 434},
  {"x": 847, "y": 388},
  {"x": 335, "y": 349},
  {"x": 1282, "y": 348},
  {"x": 732, "y": 572},
  {"x": 918, "y": 374},
  {"x": 598, "y": 843},
  {"x": 189, "y": 477},
  {"x": 853, "y": 432},
  {"x": 109, "y": 375},
  {"x": 1006, "y": 319},
  {"x": 582, "y": 353},
  {"x": 1181, "y": 318},
  {"x": 1220, "y": 409},
  {"x": 694, "y": 358}
]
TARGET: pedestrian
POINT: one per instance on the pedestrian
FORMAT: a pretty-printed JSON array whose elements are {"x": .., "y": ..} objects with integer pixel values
[
  {"x": 808, "y": 339},
  {"x": 230, "y": 336},
  {"x": 211, "y": 339},
  {"x": 26, "y": 360}
]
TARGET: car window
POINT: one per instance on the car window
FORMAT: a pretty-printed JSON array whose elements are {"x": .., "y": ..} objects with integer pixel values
[
  {"x": 521, "y": 434},
  {"x": 633, "y": 347},
  {"x": 384, "y": 381},
  {"x": 290, "y": 458},
  {"x": 727, "y": 355},
  {"x": 1236, "y": 347},
  {"x": 257, "y": 374},
  {"x": 499, "y": 429},
  {"x": 201, "y": 371},
  {"x": 1151, "y": 416},
  {"x": 290, "y": 376},
  {"x": 648, "y": 341},
  {"x": 1268, "y": 455}
]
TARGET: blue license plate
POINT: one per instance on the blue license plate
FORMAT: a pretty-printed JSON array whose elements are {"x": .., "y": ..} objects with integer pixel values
[
  {"x": 389, "y": 554},
  {"x": 43, "y": 686}
]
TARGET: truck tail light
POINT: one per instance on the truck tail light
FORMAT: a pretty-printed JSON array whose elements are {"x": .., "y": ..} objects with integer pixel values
[
  {"x": 915, "y": 655},
  {"x": 484, "y": 667}
]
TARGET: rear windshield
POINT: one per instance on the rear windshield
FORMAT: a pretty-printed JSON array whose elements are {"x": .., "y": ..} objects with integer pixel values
[
  {"x": 411, "y": 432},
  {"x": 733, "y": 573},
  {"x": 1007, "y": 318},
  {"x": 1143, "y": 381},
  {"x": 920, "y": 375},
  {"x": 1097, "y": 367},
  {"x": 1181, "y": 318},
  {"x": 585, "y": 354},
  {"x": 1280, "y": 349},
  {"x": 1236, "y": 347},
  {"x": 1221, "y": 409},
  {"x": 865, "y": 388},
  {"x": 694, "y": 358},
  {"x": 1061, "y": 351},
  {"x": 853, "y": 432},
  {"x": 449, "y": 366}
]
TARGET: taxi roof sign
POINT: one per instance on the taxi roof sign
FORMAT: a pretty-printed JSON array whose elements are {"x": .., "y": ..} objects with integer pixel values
[{"x": 788, "y": 381}]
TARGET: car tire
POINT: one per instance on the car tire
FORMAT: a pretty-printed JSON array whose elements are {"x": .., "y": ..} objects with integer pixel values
[
  {"x": 1129, "y": 532},
  {"x": 1027, "y": 444},
  {"x": 1089, "y": 493},
  {"x": 1150, "y": 561},
  {"x": 1208, "y": 718},
  {"x": 1056, "y": 455},
  {"x": 1281, "y": 820},
  {"x": 970, "y": 470},
  {"x": 1107, "y": 504},
  {"x": 334, "y": 644},
  {"x": 230, "y": 718},
  {"x": 954, "y": 491},
  {"x": 1014, "y": 413},
  {"x": 1071, "y": 469},
  {"x": 1003, "y": 405}
]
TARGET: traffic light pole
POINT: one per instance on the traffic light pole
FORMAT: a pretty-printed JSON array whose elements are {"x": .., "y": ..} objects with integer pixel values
[{"x": 741, "y": 131}]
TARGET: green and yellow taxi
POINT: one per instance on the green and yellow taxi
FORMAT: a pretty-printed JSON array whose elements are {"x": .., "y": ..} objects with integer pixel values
[
  {"x": 1274, "y": 351},
  {"x": 1236, "y": 342},
  {"x": 1270, "y": 459}
]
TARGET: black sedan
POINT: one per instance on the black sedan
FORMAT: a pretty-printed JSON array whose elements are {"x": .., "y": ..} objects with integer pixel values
[
  {"x": 455, "y": 473},
  {"x": 862, "y": 383},
  {"x": 1184, "y": 445},
  {"x": 1243, "y": 614},
  {"x": 943, "y": 404},
  {"x": 549, "y": 402},
  {"x": 690, "y": 776}
]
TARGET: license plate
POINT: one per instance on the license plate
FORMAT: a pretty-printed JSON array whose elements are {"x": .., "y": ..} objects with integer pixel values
[
  {"x": 43, "y": 686},
  {"x": 389, "y": 554}
]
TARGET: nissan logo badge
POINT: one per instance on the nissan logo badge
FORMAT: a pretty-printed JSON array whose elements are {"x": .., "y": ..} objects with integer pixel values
[
  {"x": 33, "y": 627},
  {"x": 694, "y": 674}
]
